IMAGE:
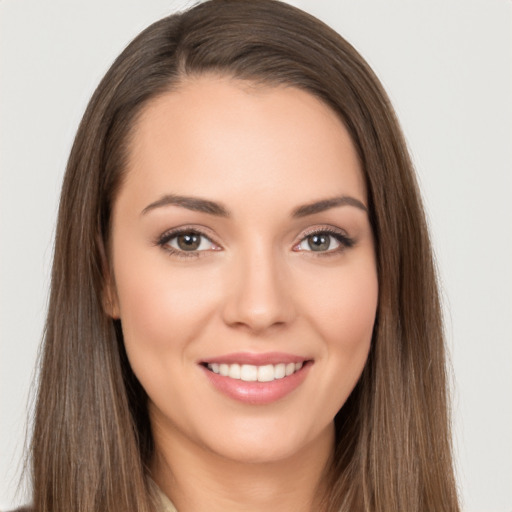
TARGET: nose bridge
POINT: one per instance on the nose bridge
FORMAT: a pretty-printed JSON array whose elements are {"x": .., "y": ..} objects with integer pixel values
[{"x": 258, "y": 297}]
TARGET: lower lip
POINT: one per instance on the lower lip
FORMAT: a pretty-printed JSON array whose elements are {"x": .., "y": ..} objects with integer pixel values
[{"x": 257, "y": 393}]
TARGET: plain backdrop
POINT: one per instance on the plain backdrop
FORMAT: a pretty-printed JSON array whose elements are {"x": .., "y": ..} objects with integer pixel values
[{"x": 447, "y": 67}]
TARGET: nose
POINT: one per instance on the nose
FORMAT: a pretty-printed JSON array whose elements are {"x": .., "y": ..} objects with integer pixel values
[{"x": 259, "y": 295}]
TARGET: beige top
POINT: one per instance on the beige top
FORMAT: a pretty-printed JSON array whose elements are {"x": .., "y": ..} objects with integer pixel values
[{"x": 161, "y": 498}]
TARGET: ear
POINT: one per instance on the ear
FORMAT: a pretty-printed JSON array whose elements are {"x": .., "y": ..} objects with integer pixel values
[{"x": 109, "y": 299}]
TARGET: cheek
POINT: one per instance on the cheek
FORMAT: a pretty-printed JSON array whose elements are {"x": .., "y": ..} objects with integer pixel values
[
  {"x": 344, "y": 311},
  {"x": 162, "y": 313},
  {"x": 357, "y": 306},
  {"x": 160, "y": 309},
  {"x": 341, "y": 315}
]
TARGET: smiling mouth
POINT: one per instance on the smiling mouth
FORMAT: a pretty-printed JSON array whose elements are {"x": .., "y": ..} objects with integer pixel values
[
  {"x": 256, "y": 379},
  {"x": 253, "y": 373}
]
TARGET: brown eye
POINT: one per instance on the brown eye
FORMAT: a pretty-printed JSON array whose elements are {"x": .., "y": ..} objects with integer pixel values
[
  {"x": 188, "y": 241},
  {"x": 325, "y": 241},
  {"x": 319, "y": 242}
]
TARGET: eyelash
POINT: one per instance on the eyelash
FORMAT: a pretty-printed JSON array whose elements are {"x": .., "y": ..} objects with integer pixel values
[
  {"x": 345, "y": 241},
  {"x": 163, "y": 241}
]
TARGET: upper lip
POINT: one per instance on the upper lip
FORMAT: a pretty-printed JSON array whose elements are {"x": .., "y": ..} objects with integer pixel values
[{"x": 256, "y": 359}]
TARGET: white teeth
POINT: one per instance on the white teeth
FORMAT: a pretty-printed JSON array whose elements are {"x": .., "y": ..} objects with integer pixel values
[
  {"x": 252, "y": 373},
  {"x": 234, "y": 371},
  {"x": 279, "y": 371},
  {"x": 249, "y": 373},
  {"x": 266, "y": 373}
]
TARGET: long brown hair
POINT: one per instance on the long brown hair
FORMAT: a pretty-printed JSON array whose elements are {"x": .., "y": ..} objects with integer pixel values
[{"x": 92, "y": 440}]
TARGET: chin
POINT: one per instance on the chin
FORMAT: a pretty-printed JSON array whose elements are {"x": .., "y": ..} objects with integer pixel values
[
  {"x": 251, "y": 453},
  {"x": 267, "y": 446}
]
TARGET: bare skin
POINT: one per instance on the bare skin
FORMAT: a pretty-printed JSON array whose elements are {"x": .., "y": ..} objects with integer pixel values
[
  {"x": 241, "y": 235},
  {"x": 239, "y": 486}
]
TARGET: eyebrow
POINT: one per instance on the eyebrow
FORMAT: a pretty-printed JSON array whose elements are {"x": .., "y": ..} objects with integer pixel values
[
  {"x": 190, "y": 203},
  {"x": 327, "y": 204},
  {"x": 213, "y": 208}
]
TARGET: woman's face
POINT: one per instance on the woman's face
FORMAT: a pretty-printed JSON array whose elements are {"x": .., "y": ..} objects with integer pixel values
[{"x": 244, "y": 267}]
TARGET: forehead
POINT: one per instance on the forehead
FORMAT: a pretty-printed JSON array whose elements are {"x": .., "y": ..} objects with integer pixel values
[{"x": 220, "y": 137}]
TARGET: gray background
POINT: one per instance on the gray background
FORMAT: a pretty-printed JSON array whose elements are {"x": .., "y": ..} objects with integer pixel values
[{"x": 447, "y": 67}]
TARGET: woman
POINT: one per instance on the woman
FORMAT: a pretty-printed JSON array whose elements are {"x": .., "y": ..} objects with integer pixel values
[{"x": 243, "y": 311}]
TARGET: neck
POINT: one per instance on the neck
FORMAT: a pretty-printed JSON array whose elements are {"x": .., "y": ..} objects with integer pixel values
[{"x": 196, "y": 479}]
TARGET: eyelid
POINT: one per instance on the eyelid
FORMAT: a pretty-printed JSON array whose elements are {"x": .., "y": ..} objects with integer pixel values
[
  {"x": 322, "y": 228},
  {"x": 164, "y": 239},
  {"x": 341, "y": 236}
]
